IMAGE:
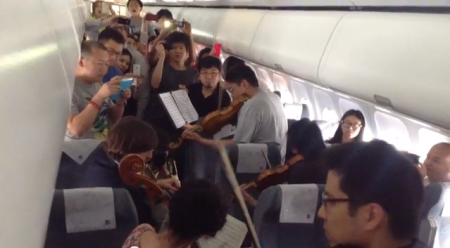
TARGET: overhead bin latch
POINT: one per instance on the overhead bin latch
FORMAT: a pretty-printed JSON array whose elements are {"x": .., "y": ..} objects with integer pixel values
[{"x": 383, "y": 101}]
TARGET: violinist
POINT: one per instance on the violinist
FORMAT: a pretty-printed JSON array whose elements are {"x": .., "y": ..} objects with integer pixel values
[
  {"x": 197, "y": 210},
  {"x": 260, "y": 120},
  {"x": 305, "y": 138},
  {"x": 100, "y": 168},
  {"x": 208, "y": 96}
]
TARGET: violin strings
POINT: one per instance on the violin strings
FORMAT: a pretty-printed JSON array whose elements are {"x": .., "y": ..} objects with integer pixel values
[{"x": 234, "y": 183}]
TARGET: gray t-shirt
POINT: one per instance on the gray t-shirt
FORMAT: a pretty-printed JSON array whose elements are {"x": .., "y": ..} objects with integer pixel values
[
  {"x": 143, "y": 90},
  {"x": 135, "y": 28},
  {"x": 262, "y": 120},
  {"x": 82, "y": 93}
]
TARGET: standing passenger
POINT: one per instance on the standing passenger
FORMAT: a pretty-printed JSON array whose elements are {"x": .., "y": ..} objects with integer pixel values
[
  {"x": 260, "y": 120},
  {"x": 351, "y": 128}
]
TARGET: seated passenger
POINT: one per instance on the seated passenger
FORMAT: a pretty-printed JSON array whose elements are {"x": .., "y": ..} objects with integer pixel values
[
  {"x": 206, "y": 95},
  {"x": 373, "y": 197},
  {"x": 197, "y": 210},
  {"x": 169, "y": 76},
  {"x": 129, "y": 136},
  {"x": 351, "y": 128},
  {"x": 437, "y": 163},
  {"x": 114, "y": 42},
  {"x": 305, "y": 139},
  {"x": 260, "y": 120},
  {"x": 92, "y": 111}
]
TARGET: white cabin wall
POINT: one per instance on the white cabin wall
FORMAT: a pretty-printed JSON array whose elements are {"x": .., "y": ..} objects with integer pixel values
[{"x": 37, "y": 63}]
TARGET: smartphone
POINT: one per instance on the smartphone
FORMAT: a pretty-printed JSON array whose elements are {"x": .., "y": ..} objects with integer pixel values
[
  {"x": 151, "y": 17},
  {"x": 136, "y": 71},
  {"x": 217, "y": 49},
  {"x": 124, "y": 21},
  {"x": 179, "y": 24},
  {"x": 125, "y": 84}
]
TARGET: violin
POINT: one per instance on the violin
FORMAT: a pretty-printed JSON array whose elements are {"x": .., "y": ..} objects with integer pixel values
[
  {"x": 131, "y": 169},
  {"x": 216, "y": 120},
  {"x": 273, "y": 176}
]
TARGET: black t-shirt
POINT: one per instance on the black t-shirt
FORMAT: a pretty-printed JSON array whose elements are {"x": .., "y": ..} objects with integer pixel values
[
  {"x": 205, "y": 105},
  {"x": 171, "y": 80}
]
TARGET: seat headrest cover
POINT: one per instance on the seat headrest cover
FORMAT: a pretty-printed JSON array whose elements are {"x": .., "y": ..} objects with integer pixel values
[
  {"x": 298, "y": 203},
  {"x": 89, "y": 209},
  {"x": 446, "y": 195},
  {"x": 251, "y": 158},
  {"x": 79, "y": 150}
]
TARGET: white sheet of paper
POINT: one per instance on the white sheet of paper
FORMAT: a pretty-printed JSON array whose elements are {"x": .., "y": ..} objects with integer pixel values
[
  {"x": 251, "y": 159},
  {"x": 172, "y": 109},
  {"x": 185, "y": 105},
  {"x": 299, "y": 203},
  {"x": 231, "y": 236},
  {"x": 224, "y": 132}
]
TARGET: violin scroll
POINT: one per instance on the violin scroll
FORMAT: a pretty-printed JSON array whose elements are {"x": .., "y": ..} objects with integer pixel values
[{"x": 131, "y": 169}]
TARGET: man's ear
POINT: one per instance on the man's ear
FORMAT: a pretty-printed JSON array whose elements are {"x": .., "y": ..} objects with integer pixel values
[{"x": 81, "y": 62}]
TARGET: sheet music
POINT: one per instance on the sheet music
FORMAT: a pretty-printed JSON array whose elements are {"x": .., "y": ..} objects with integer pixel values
[
  {"x": 185, "y": 105},
  {"x": 298, "y": 203},
  {"x": 172, "y": 109},
  {"x": 231, "y": 236},
  {"x": 250, "y": 158}
]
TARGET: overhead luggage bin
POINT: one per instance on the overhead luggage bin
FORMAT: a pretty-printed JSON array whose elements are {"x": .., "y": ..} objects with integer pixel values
[
  {"x": 293, "y": 41},
  {"x": 203, "y": 24}
]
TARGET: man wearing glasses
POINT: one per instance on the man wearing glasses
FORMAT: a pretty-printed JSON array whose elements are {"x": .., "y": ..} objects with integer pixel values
[
  {"x": 114, "y": 43},
  {"x": 208, "y": 96},
  {"x": 373, "y": 197}
]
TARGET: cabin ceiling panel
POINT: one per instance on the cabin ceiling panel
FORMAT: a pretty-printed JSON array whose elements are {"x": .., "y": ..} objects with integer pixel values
[
  {"x": 236, "y": 30},
  {"x": 397, "y": 56},
  {"x": 298, "y": 3}
]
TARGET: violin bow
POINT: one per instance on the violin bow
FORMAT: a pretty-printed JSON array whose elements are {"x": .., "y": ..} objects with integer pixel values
[{"x": 237, "y": 192}]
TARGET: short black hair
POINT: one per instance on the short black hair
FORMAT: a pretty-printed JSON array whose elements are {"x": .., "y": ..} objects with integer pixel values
[
  {"x": 209, "y": 62},
  {"x": 178, "y": 37},
  {"x": 375, "y": 172},
  {"x": 197, "y": 209},
  {"x": 241, "y": 72},
  {"x": 164, "y": 13},
  {"x": 231, "y": 62},
  {"x": 337, "y": 137},
  {"x": 111, "y": 34},
  {"x": 138, "y": 1},
  {"x": 203, "y": 52},
  {"x": 88, "y": 46}
]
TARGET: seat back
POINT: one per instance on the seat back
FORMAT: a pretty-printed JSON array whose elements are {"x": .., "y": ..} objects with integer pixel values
[
  {"x": 286, "y": 216},
  {"x": 427, "y": 231},
  {"x": 90, "y": 218},
  {"x": 435, "y": 200}
]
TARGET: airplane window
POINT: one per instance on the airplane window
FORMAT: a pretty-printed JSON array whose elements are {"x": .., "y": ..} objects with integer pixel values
[
  {"x": 324, "y": 106},
  {"x": 283, "y": 87},
  {"x": 293, "y": 111},
  {"x": 345, "y": 105},
  {"x": 300, "y": 95},
  {"x": 392, "y": 130},
  {"x": 427, "y": 139}
]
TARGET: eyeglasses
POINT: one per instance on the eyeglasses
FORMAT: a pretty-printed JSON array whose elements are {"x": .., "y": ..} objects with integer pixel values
[
  {"x": 349, "y": 124},
  {"x": 114, "y": 53},
  {"x": 212, "y": 74},
  {"x": 326, "y": 201}
]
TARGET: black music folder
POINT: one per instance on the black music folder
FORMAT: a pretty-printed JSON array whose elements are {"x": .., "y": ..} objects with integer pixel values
[{"x": 179, "y": 107}]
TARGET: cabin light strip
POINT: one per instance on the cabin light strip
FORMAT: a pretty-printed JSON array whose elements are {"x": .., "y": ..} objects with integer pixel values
[{"x": 26, "y": 56}]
